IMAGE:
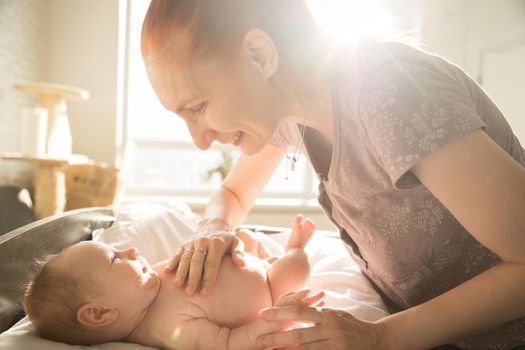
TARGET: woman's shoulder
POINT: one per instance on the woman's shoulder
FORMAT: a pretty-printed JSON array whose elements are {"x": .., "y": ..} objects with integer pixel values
[{"x": 373, "y": 55}]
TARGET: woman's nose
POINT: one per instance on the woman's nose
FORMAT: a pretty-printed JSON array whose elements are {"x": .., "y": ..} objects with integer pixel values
[{"x": 202, "y": 138}]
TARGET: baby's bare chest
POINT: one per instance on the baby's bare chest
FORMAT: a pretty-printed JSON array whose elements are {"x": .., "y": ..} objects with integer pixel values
[{"x": 238, "y": 295}]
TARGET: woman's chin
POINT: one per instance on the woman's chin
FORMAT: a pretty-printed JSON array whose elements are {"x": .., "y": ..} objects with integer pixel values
[
  {"x": 249, "y": 151},
  {"x": 248, "y": 148}
]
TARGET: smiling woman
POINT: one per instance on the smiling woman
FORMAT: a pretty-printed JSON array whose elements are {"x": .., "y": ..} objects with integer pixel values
[
  {"x": 159, "y": 137},
  {"x": 165, "y": 162},
  {"x": 394, "y": 132}
]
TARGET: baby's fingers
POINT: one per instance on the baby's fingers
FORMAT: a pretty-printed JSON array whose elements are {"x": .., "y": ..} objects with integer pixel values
[
  {"x": 314, "y": 300},
  {"x": 300, "y": 297}
]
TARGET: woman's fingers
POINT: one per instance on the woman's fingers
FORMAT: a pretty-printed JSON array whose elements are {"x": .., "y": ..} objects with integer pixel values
[
  {"x": 295, "y": 312},
  {"x": 193, "y": 259},
  {"x": 324, "y": 329},
  {"x": 174, "y": 262},
  {"x": 212, "y": 264},
  {"x": 301, "y": 336},
  {"x": 183, "y": 266},
  {"x": 196, "y": 267}
]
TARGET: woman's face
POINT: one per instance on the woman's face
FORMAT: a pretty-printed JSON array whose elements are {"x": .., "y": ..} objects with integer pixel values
[{"x": 229, "y": 102}]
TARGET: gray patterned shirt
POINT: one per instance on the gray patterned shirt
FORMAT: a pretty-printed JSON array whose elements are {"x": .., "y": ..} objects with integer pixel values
[{"x": 392, "y": 106}]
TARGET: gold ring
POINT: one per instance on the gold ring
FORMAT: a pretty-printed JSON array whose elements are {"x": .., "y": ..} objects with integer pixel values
[
  {"x": 187, "y": 251},
  {"x": 201, "y": 250}
]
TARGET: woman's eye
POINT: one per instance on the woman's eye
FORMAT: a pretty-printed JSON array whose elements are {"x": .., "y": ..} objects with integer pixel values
[{"x": 199, "y": 109}]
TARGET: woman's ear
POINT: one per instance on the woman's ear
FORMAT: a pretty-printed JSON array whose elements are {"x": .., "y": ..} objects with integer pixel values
[
  {"x": 261, "y": 51},
  {"x": 96, "y": 316}
]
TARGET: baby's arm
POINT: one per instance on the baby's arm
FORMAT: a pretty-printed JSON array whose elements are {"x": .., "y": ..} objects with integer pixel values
[{"x": 291, "y": 271}]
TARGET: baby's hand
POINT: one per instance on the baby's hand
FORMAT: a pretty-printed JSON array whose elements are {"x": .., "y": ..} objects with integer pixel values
[
  {"x": 300, "y": 297},
  {"x": 302, "y": 231}
]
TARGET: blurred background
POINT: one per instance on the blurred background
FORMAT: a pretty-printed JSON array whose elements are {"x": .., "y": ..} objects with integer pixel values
[{"x": 93, "y": 45}]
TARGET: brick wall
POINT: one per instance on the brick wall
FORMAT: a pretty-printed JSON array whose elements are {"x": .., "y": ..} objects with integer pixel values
[{"x": 23, "y": 56}]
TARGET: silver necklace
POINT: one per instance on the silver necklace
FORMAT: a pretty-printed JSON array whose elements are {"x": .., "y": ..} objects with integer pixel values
[{"x": 291, "y": 161}]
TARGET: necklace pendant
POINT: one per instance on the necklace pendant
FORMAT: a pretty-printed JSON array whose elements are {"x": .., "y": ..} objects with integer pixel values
[{"x": 292, "y": 163}]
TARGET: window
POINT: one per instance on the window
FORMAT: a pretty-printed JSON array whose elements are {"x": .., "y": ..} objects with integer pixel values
[{"x": 166, "y": 164}]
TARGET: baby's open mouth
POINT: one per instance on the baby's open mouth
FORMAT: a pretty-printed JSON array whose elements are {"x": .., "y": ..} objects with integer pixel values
[
  {"x": 238, "y": 138},
  {"x": 144, "y": 264}
]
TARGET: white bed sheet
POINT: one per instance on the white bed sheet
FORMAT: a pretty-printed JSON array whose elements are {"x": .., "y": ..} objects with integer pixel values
[{"x": 158, "y": 231}]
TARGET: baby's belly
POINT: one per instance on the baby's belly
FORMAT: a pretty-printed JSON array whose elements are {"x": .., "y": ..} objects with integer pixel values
[
  {"x": 239, "y": 293},
  {"x": 236, "y": 299}
]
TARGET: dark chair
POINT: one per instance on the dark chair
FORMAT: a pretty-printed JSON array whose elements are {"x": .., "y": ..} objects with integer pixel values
[{"x": 15, "y": 208}]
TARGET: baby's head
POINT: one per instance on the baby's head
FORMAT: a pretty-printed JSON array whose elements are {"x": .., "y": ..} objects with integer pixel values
[{"x": 91, "y": 293}]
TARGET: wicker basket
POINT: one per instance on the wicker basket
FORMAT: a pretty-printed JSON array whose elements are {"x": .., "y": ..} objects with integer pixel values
[{"x": 90, "y": 185}]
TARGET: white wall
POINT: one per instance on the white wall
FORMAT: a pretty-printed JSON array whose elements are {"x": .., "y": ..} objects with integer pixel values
[
  {"x": 83, "y": 52},
  {"x": 487, "y": 39},
  {"x": 496, "y": 55},
  {"x": 23, "y": 56},
  {"x": 72, "y": 42}
]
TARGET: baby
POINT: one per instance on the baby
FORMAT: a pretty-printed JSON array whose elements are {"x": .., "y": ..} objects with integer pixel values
[{"x": 91, "y": 293}]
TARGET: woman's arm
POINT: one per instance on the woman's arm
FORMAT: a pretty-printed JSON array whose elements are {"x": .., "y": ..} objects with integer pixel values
[
  {"x": 230, "y": 204},
  {"x": 227, "y": 208},
  {"x": 484, "y": 188}
]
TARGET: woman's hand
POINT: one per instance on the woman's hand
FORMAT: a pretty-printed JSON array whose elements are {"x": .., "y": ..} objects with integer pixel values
[
  {"x": 199, "y": 259},
  {"x": 332, "y": 329},
  {"x": 300, "y": 297}
]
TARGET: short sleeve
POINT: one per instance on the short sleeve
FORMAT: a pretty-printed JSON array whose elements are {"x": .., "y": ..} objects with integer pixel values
[{"x": 409, "y": 110}]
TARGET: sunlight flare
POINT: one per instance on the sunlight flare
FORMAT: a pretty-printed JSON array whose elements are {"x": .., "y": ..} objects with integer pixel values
[{"x": 348, "y": 20}]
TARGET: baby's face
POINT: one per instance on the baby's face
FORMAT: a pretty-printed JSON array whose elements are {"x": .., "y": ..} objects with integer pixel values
[{"x": 119, "y": 278}]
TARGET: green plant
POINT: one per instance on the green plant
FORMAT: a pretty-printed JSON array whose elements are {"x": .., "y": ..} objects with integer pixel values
[{"x": 223, "y": 168}]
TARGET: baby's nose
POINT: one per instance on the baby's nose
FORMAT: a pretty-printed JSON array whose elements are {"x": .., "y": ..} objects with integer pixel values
[{"x": 133, "y": 253}]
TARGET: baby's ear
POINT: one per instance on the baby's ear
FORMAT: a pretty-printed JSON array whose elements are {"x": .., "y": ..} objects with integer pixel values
[{"x": 94, "y": 315}]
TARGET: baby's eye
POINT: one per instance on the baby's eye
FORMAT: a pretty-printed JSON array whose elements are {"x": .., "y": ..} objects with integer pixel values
[
  {"x": 199, "y": 109},
  {"x": 113, "y": 258}
]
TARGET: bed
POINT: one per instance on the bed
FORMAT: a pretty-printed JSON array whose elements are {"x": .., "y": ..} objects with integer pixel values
[{"x": 157, "y": 231}]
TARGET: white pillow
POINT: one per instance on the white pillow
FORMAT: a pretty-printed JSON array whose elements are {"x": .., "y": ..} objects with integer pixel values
[{"x": 157, "y": 231}]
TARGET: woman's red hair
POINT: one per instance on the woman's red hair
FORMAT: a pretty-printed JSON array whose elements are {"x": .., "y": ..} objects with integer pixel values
[{"x": 217, "y": 26}]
